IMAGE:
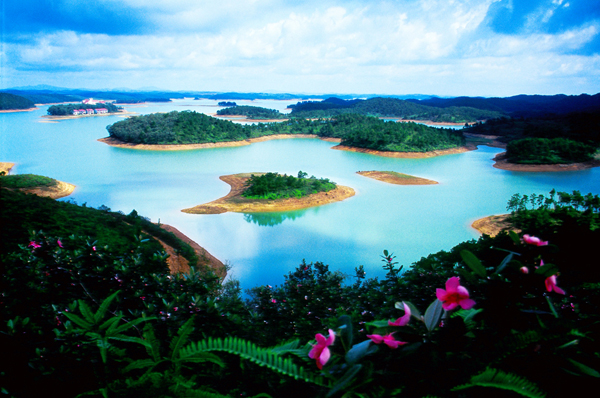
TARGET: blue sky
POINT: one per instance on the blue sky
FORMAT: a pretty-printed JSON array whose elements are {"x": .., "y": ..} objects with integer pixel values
[{"x": 441, "y": 47}]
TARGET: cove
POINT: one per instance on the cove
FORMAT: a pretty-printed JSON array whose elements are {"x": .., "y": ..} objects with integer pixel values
[{"x": 410, "y": 221}]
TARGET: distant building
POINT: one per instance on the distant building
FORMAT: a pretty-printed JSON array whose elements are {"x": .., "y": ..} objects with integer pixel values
[
  {"x": 101, "y": 110},
  {"x": 78, "y": 111},
  {"x": 89, "y": 111}
]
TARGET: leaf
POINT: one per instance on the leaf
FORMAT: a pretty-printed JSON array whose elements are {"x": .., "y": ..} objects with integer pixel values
[
  {"x": 584, "y": 368},
  {"x": 547, "y": 270},
  {"x": 514, "y": 236},
  {"x": 82, "y": 323},
  {"x": 506, "y": 381},
  {"x": 473, "y": 263},
  {"x": 86, "y": 312},
  {"x": 131, "y": 324},
  {"x": 360, "y": 350},
  {"x": 433, "y": 315},
  {"x": 345, "y": 380},
  {"x": 109, "y": 323},
  {"x": 504, "y": 263},
  {"x": 181, "y": 338},
  {"x": 345, "y": 328},
  {"x": 104, "y": 306}
]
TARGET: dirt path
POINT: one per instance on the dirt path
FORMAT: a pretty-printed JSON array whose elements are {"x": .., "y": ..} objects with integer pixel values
[
  {"x": 493, "y": 225},
  {"x": 501, "y": 163},
  {"x": 234, "y": 201},
  {"x": 392, "y": 177}
]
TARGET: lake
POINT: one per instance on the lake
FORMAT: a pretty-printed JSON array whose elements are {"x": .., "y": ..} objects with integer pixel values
[{"x": 410, "y": 221}]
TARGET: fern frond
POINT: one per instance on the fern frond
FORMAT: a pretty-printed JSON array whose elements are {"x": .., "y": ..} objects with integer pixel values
[
  {"x": 181, "y": 338},
  {"x": 261, "y": 356},
  {"x": 506, "y": 381}
]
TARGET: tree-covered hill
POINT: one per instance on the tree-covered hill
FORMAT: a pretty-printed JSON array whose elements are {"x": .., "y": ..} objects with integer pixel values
[
  {"x": 252, "y": 112},
  {"x": 67, "y": 109},
  {"x": 11, "y": 101},
  {"x": 277, "y": 186},
  {"x": 391, "y": 107}
]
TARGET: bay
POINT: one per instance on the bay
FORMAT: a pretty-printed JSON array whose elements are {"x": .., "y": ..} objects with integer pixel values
[{"x": 410, "y": 221}]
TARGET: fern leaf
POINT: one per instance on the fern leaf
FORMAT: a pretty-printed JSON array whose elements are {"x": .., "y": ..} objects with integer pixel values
[
  {"x": 104, "y": 306},
  {"x": 506, "y": 381},
  {"x": 86, "y": 312},
  {"x": 181, "y": 338}
]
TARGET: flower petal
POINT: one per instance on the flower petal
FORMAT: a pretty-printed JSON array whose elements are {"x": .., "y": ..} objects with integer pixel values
[
  {"x": 452, "y": 284},
  {"x": 441, "y": 294},
  {"x": 466, "y": 304}
]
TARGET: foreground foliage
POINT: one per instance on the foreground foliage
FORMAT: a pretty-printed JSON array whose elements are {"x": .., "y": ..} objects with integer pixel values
[{"x": 504, "y": 316}]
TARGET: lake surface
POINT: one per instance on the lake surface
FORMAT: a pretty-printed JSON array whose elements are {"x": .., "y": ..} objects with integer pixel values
[{"x": 410, "y": 221}]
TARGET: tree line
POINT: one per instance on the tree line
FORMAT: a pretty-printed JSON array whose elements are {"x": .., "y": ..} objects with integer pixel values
[
  {"x": 276, "y": 186},
  {"x": 67, "y": 109}
]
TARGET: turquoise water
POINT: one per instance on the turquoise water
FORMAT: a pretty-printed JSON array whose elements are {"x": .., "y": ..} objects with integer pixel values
[{"x": 411, "y": 221}]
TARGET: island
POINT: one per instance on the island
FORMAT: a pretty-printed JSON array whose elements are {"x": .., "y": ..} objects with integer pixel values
[
  {"x": 251, "y": 112},
  {"x": 36, "y": 184},
  {"x": 253, "y": 193},
  {"x": 354, "y": 132},
  {"x": 393, "y": 177},
  {"x": 15, "y": 103},
  {"x": 83, "y": 109},
  {"x": 493, "y": 225}
]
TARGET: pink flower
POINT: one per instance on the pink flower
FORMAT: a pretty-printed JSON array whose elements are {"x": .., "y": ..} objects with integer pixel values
[
  {"x": 524, "y": 270},
  {"x": 59, "y": 243},
  {"x": 551, "y": 285},
  {"x": 273, "y": 301},
  {"x": 403, "y": 320},
  {"x": 388, "y": 340},
  {"x": 34, "y": 244},
  {"x": 534, "y": 240},
  {"x": 454, "y": 295},
  {"x": 320, "y": 351}
]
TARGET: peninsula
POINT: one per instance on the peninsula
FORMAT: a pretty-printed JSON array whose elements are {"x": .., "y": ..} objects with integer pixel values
[
  {"x": 236, "y": 202},
  {"x": 34, "y": 184}
]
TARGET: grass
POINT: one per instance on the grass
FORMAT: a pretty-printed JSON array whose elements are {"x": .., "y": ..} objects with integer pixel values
[{"x": 26, "y": 181}]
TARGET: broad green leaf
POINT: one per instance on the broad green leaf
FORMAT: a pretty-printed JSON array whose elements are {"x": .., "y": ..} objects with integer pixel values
[
  {"x": 514, "y": 236},
  {"x": 82, "y": 323},
  {"x": 345, "y": 380},
  {"x": 360, "y": 350},
  {"x": 414, "y": 311},
  {"x": 504, "y": 263},
  {"x": 104, "y": 306},
  {"x": 433, "y": 315},
  {"x": 131, "y": 324},
  {"x": 86, "y": 312},
  {"x": 473, "y": 263},
  {"x": 345, "y": 330},
  {"x": 109, "y": 322},
  {"x": 584, "y": 368},
  {"x": 547, "y": 270},
  {"x": 181, "y": 338}
]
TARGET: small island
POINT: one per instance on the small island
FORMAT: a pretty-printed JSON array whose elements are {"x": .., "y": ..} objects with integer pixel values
[
  {"x": 36, "y": 184},
  {"x": 393, "y": 177},
  {"x": 272, "y": 192},
  {"x": 493, "y": 225}
]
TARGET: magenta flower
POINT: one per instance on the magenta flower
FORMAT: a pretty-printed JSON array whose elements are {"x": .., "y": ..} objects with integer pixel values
[
  {"x": 524, "y": 270},
  {"x": 551, "y": 285},
  {"x": 34, "y": 244},
  {"x": 320, "y": 351},
  {"x": 59, "y": 243},
  {"x": 534, "y": 240},
  {"x": 403, "y": 320},
  {"x": 388, "y": 340},
  {"x": 454, "y": 295}
]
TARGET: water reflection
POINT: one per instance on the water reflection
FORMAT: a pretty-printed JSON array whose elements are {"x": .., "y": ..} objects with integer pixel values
[{"x": 271, "y": 219}]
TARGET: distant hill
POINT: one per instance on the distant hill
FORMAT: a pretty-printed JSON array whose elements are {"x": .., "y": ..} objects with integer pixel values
[{"x": 11, "y": 101}]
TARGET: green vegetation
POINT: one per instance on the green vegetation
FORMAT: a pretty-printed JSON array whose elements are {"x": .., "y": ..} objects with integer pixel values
[
  {"x": 355, "y": 130},
  {"x": 252, "y": 112},
  {"x": 390, "y": 107},
  {"x": 67, "y": 109},
  {"x": 26, "y": 181},
  {"x": 277, "y": 186},
  {"x": 12, "y": 101},
  {"x": 548, "y": 151},
  {"x": 226, "y": 103},
  {"x": 85, "y": 317}
]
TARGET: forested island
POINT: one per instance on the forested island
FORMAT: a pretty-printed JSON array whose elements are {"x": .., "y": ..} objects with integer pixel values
[
  {"x": 68, "y": 109},
  {"x": 36, "y": 184},
  {"x": 91, "y": 307},
  {"x": 14, "y": 102},
  {"x": 251, "y": 112},
  {"x": 187, "y": 127},
  {"x": 273, "y": 192}
]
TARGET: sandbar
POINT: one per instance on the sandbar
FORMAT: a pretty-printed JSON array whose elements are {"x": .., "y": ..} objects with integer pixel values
[
  {"x": 234, "y": 201},
  {"x": 502, "y": 163},
  {"x": 18, "y": 110},
  {"x": 406, "y": 155},
  {"x": 182, "y": 147},
  {"x": 493, "y": 225},
  {"x": 393, "y": 177}
]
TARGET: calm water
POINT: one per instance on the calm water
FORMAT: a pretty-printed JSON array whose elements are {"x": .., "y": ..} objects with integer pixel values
[{"x": 411, "y": 221}]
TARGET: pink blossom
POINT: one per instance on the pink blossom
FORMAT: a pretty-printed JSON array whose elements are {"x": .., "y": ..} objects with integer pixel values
[
  {"x": 34, "y": 244},
  {"x": 403, "y": 320},
  {"x": 320, "y": 351},
  {"x": 388, "y": 340},
  {"x": 273, "y": 301},
  {"x": 524, "y": 270},
  {"x": 551, "y": 285},
  {"x": 534, "y": 240},
  {"x": 59, "y": 243},
  {"x": 454, "y": 295}
]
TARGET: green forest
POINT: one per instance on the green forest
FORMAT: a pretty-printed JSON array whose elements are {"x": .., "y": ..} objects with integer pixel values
[
  {"x": 355, "y": 130},
  {"x": 98, "y": 313},
  {"x": 548, "y": 151},
  {"x": 67, "y": 109},
  {"x": 11, "y": 101},
  {"x": 252, "y": 112},
  {"x": 277, "y": 186}
]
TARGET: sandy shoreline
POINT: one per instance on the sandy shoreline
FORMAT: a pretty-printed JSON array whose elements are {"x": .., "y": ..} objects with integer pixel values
[
  {"x": 501, "y": 163},
  {"x": 18, "y": 110},
  {"x": 493, "y": 225},
  {"x": 67, "y": 117},
  {"x": 396, "y": 178},
  {"x": 234, "y": 202},
  {"x": 406, "y": 155},
  {"x": 120, "y": 144}
]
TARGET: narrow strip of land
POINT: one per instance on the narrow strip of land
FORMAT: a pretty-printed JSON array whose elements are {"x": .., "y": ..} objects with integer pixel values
[
  {"x": 406, "y": 155},
  {"x": 17, "y": 110},
  {"x": 493, "y": 225},
  {"x": 502, "y": 163},
  {"x": 235, "y": 202},
  {"x": 393, "y": 177}
]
